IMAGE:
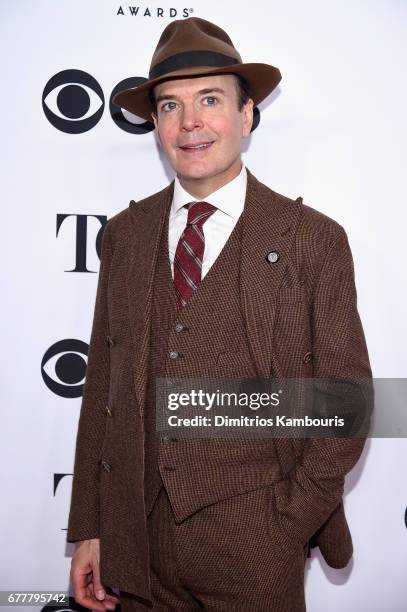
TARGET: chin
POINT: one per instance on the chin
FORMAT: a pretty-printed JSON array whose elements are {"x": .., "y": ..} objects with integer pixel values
[{"x": 195, "y": 173}]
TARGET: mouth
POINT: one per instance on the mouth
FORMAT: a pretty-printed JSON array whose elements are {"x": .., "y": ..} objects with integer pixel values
[{"x": 202, "y": 146}]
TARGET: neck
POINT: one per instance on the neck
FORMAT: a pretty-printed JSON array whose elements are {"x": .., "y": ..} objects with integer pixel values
[{"x": 202, "y": 187}]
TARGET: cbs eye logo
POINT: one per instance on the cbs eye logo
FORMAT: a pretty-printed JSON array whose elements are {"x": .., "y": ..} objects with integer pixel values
[
  {"x": 73, "y": 102},
  {"x": 63, "y": 367}
]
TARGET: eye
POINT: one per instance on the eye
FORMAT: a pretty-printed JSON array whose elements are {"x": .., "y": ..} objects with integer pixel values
[
  {"x": 166, "y": 104},
  {"x": 211, "y": 98}
]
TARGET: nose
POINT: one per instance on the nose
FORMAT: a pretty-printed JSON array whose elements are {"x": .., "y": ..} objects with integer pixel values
[{"x": 190, "y": 118}]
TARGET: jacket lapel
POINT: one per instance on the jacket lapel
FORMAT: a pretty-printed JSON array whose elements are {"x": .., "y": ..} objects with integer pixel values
[{"x": 268, "y": 226}]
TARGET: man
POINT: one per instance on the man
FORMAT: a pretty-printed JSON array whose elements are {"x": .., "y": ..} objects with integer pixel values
[{"x": 214, "y": 276}]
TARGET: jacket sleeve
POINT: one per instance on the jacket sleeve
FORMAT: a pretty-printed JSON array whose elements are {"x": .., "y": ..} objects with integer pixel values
[
  {"x": 83, "y": 522},
  {"x": 342, "y": 384}
]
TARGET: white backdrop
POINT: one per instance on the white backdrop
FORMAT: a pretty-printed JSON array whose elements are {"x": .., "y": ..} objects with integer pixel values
[{"x": 334, "y": 132}]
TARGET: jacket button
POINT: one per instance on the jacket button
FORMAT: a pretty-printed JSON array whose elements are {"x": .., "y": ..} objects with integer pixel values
[
  {"x": 307, "y": 357},
  {"x": 109, "y": 411},
  {"x": 110, "y": 341},
  {"x": 106, "y": 466},
  {"x": 179, "y": 327},
  {"x": 174, "y": 354}
]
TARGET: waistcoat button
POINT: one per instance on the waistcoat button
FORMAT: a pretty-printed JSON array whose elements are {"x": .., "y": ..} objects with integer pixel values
[
  {"x": 174, "y": 354},
  {"x": 110, "y": 340},
  {"x": 307, "y": 357},
  {"x": 109, "y": 411},
  {"x": 179, "y": 327}
]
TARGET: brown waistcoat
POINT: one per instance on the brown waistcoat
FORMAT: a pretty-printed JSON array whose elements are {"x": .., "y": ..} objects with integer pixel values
[{"x": 207, "y": 346}]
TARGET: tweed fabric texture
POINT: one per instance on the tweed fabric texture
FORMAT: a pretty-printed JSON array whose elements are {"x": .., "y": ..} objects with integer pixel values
[
  {"x": 225, "y": 558},
  {"x": 212, "y": 344},
  {"x": 303, "y": 306}
]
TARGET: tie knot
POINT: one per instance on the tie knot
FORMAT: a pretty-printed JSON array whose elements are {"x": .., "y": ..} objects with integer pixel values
[{"x": 199, "y": 212}]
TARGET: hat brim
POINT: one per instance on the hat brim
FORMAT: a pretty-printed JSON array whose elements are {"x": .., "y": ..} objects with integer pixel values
[{"x": 262, "y": 78}]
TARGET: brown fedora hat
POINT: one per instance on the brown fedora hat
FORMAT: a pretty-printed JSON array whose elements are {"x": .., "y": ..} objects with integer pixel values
[{"x": 195, "y": 47}]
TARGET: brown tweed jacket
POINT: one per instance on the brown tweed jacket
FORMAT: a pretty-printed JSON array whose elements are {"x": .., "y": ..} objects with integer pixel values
[{"x": 302, "y": 321}]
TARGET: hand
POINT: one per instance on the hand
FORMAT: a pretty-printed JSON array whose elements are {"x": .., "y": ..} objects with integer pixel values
[{"x": 85, "y": 577}]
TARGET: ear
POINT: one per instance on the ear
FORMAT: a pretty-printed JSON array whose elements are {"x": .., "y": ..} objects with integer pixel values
[{"x": 247, "y": 117}]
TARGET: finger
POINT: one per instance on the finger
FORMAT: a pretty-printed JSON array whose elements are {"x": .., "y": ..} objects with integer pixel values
[
  {"x": 81, "y": 578},
  {"x": 87, "y": 600},
  {"x": 111, "y": 596},
  {"x": 98, "y": 587},
  {"x": 110, "y": 601}
]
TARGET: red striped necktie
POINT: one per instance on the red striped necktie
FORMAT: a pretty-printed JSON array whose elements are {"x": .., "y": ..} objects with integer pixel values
[{"x": 189, "y": 252}]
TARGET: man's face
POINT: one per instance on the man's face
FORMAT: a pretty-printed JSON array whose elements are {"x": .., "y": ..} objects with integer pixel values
[{"x": 198, "y": 111}]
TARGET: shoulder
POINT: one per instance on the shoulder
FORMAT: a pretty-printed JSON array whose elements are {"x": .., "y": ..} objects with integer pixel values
[
  {"x": 315, "y": 230},
  {"x": 120, "y": 223},
  {"x": 316, "y": 239}
]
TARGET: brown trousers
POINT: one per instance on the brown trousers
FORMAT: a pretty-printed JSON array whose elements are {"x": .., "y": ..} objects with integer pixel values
[{"x": 226, "y": 557}]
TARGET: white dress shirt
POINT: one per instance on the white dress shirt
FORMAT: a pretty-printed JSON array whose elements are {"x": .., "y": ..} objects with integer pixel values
[{"x": 229, "y": 200}]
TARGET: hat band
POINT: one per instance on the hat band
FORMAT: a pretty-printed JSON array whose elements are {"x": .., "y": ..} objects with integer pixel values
[{"x": 189, "y": 59}]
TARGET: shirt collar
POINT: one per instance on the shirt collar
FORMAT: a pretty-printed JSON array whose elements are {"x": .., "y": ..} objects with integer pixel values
[{"x": 229, "y": 198}]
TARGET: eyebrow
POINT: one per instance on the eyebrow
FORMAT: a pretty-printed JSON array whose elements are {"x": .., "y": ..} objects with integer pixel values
[{"x": 200, "y": 92}]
